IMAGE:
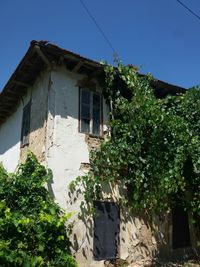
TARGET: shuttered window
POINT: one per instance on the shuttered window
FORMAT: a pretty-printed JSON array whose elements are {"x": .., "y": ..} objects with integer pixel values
[
  {"x": 25, "y": 130},
  {"x": 90, "y": 112},
  {"x": 106, "y": 230}
]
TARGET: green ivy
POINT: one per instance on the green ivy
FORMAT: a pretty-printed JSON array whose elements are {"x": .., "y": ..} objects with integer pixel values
[
  {"x": 154, "y": 147},
  {"x": 32, "y": 226}
]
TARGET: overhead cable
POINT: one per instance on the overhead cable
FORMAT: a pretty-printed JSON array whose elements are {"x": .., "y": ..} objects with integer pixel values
[
  {"x": 190, "y": 10},
  {"x": 100, "y": 30}
]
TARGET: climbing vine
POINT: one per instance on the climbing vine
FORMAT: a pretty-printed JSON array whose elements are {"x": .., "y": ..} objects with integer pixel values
[
  {"x": 32, "y": 226},
  {"x": 153, "y": 150}
]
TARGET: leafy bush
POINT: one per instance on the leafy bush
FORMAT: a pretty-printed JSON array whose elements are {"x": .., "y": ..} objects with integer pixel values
[{"x": 32, "y": 226}]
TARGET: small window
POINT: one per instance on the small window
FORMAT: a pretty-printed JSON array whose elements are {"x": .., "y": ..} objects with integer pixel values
[
  {"x": 25, "y": 125},
  {"x": 180, "y": 228},
  {"x": 106, "y": 230},
  {"x": 90, "y": 112}
]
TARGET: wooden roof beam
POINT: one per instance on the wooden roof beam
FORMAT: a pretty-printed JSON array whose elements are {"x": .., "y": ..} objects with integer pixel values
[
  {"x": 16, "y": 93},
  {"x": 95, "y": 73},
  {"x": 28, "y": 63},
  {"x": 77, "y": 66},
  {"x": 21, "y": 83},
  {"x": 5, "y": 112},
  {"x": 42, "y": 55},
  {"x": 9, "y": 99}
]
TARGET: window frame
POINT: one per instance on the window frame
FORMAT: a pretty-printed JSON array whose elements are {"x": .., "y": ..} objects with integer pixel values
[
  {"x": 91, "y": 116},
  {"x": 25, "y": 126}
]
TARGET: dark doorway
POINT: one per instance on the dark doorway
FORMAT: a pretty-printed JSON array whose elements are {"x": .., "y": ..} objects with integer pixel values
[
  {"x": 106, "y": 230},
  {"x": 180, "y": 228}
]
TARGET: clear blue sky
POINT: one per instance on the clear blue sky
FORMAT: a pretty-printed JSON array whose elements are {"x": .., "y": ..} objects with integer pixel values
[{"x": 159, "y": 36}]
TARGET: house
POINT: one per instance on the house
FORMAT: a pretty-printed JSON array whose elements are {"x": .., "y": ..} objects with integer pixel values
[{"x": 53, "y": 105}]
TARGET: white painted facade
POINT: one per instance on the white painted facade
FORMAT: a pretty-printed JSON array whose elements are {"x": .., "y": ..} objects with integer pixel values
[
  {"x": 58, "y": 144},
  {"x": 10, "y": 130},
  {"x": 10, "y": 133},
  {"x": 66, "y": 147},
  {"x": 66, "y": 151}
]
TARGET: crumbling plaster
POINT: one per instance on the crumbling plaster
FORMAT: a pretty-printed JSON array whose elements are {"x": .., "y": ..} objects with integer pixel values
[{"x": 38, "y": 95}]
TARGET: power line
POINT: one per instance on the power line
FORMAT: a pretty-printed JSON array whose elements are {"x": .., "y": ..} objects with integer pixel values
[
  {"x": 190, "y": 10},
  {"x": 115, "y": 54}
]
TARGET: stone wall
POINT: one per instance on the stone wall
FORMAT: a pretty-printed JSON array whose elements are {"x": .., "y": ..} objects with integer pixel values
[{"x": 139, "y": 237}]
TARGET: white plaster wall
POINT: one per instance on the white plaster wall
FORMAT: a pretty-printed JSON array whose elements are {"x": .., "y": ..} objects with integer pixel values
[
  {"x": 66, "y": 148},
  {"x": 10, "y": 132}
]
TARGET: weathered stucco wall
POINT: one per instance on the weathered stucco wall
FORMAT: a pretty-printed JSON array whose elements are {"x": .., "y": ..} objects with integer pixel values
[
  {"x": 67, "y": 152},
  {"x": 66, "y": 148}
]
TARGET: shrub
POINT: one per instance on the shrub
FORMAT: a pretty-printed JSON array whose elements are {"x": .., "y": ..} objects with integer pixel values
[{"x": 32, "y": 226}]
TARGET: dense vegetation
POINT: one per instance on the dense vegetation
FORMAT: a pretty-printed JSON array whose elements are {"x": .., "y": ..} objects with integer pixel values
[
  {"x": 32, "y": 226},
  {"x": 154, "y": 147}
]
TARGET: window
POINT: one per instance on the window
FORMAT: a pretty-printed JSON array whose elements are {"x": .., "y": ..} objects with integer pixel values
[
  {"x": 25, "y": 125},
  {"x": 106, "y": 230},
  {"x": 180, "y": 228},
  {"x": 90, "y": 112}
]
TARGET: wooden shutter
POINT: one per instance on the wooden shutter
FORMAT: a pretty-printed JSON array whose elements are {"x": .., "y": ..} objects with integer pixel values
[
  {"x": 85, "y": 106},
  {"x": 90, "y": 112},
  {"x": 26, "y": 125},
  {"x": 106, "y": 230},
  {"x": 96, "y": 118}
]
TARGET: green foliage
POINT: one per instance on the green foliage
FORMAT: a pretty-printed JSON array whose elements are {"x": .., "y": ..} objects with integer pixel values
[
  {"x": 32, "y": 226},
  {"x": 154, "y": 147}
]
